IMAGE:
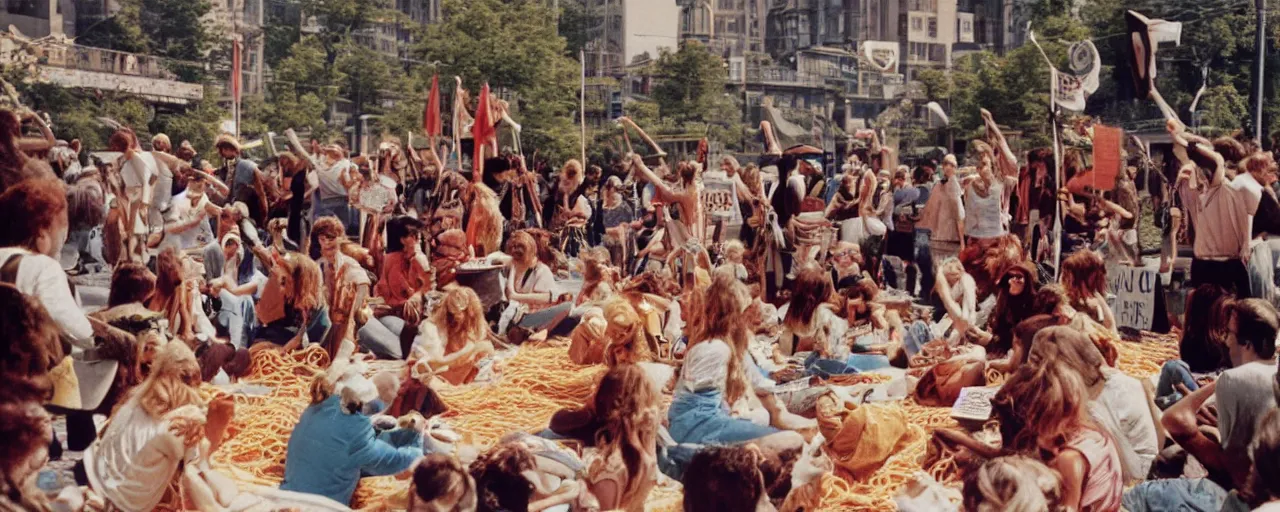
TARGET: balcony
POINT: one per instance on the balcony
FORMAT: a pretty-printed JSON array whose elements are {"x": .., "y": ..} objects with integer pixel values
[
  {"x": 783, "y": 76},
  {"x": 77, "y": 66}
]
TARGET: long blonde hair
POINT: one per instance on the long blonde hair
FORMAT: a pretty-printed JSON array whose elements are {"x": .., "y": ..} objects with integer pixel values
[
  {"x": 174, "y": 381},
  {"x": 631, "y": 346},
  {"x": 722, "y": 310},
  {"x": 460, "y": 318},
  {"x": 1013, "y": 484},
  {"x": 486, "y": 217}
]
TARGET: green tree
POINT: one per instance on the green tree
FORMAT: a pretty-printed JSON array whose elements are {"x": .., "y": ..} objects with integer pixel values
[
  {"x": 691, "y": 83},
  {"x": 339, "y": 19},
  {"x": 172, "y": 29},
  {"x": 576, "y": 22},
  {"x": 513, "y": 46},
  {"x": 199, "y": 125}
]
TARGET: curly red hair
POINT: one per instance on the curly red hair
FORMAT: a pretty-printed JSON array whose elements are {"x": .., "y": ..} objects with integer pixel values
[{"x": 40, "y": 203}]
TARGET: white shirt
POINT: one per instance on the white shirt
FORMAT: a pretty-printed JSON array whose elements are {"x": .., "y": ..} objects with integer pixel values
[
  {"x": 706, "y": 366},
  {"x": 1122, "y": 410},
  {"x": 183, "y": 211},
  {"x": 329, "y": 179},
  {"x": 42, "y": 277},
  {"x": 131, "y": 465}
]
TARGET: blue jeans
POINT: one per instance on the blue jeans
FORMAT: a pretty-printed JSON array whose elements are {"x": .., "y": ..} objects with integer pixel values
[
  {"x": 856, "y": 363},
  {"x": 339, "y": 207},
  {"x": 382, "y": 337},
  {"x": 1181, "y": 494},
  {"x": 918, "y": 333},
  {"x": 1172, "y": 373},
  {"x": 547, "y": 319},
  {"x": 238, "y": 317},
  {"x": 703, "y": 418}
]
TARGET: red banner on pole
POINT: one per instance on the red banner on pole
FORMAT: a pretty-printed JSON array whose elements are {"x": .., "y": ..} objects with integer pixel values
[
  {"x": 482, "y": 132},
  {"x": 431, "y": 123}
]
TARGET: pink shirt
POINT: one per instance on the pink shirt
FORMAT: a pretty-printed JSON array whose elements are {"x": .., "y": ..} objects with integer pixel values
[
  {"x": 1223, "y": 218},
  {"x": 1104, "y": 481}
]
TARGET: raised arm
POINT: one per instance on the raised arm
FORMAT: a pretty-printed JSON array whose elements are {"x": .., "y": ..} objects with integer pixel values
[
  {"x": 30, "y": 144},
  {"x": 771, "y": 146},
  {"x": 664, "y": 192},
  {"x": 1005, "y": 158}
]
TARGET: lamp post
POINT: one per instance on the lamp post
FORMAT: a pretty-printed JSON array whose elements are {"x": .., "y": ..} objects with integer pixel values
[{"x": 1258, "y": 78}]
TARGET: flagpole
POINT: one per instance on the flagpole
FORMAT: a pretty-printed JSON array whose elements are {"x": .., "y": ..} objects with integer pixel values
[{"x": 582, "y": 104}]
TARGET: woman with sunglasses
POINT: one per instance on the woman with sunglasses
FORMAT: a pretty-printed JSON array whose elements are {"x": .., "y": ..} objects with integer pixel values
[{"x": 1015, "y": 302}]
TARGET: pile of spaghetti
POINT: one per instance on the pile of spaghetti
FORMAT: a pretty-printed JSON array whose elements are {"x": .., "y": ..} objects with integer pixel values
[{"x": 534, "y": 383}]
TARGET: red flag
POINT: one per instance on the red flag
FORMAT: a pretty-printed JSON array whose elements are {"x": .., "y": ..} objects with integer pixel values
[
  {"x": 235, "y": 71},
  {"x": 482, "y": 132},
  {"x": 431, "y": 117}
]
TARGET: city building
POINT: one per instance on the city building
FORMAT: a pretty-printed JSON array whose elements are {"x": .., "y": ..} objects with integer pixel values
[
  {"x": 627, "y": 30},
  {"x": 40, "y": 18},
  {"x": 730, "y": 28},
  {"x": 242, "y": 20},
  {"x": 393, "y": 39}
]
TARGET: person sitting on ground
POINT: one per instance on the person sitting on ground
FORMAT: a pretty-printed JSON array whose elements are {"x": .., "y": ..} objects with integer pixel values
[
  {"x": 811, "y": 324},
  {"x": 1117, "y": 402},
  {"x": 238, "y": 289},
  {"x": 623, "y": 468},
  {"x": 333, "y": 445},
  {"x": 535, "y": 304},
  {"x": 725, "y": 479},
  {"x": 440, "y": 483},
  {"x": 136, "y": 333},
  {"x": 27, "y": 430},
  {"x": 1244, "y": 393},
  {"x": 508, "y": 478},
  {"x": 718, "y": 372},
  {"x": 403, "y": 287},
  {"x": 451, "y": 344},
  {"x": 1264, "y": 480},
  {"x": 1202, "y": 350},
  {"x": 598, "y": 277},
  {"x": 1015, "y": 302},
  {"x": 1084, "y": 275},
  {"x": 346, "y": 285},
  {"x": 872, "y": 340},
  {"x": 302, "y": 312},
  {"x": 177, "y": 297},
  {"x": 1053, "y": 309},
  {"x": 1015, "y": 483},
  {"x": 958, "y": 294},
  {"x": 161, "y": 434},
  {"x": 1043, "y": 410}
]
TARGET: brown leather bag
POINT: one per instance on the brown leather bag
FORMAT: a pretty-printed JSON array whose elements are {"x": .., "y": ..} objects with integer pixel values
[{"x": 941, "y": 385}]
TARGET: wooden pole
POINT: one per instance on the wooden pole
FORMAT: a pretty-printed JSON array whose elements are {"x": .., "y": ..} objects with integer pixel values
[{"x": 582, "y": 104}]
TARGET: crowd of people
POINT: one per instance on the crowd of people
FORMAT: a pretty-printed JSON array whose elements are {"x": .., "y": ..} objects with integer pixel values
[{"x": 937, "y": 278}]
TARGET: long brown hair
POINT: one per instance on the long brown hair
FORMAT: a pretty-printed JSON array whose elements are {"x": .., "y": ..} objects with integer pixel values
[
  {"x": 812, "y": 290},
  {"x": 722, "y": 320},
  {"x": 1047, "y": 402},
  {"x": 304, "y": 281},
  {"x": 626, "y": 402},
  {"x": 1084, "y": 274}
]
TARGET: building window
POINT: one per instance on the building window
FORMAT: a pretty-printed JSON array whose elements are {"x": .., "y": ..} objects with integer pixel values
[
  {"x": 933, "y": 27},
  {"x": 917, "y": 23}
]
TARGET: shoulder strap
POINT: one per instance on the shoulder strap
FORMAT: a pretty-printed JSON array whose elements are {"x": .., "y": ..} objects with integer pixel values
[{"x": 9, "y": 272}]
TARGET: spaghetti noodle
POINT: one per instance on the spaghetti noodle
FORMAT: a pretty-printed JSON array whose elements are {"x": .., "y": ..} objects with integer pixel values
[{"x": 539, "y": 380}]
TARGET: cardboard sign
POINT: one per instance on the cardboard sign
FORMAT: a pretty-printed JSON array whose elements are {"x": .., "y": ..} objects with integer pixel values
[
  {"x": 1106, "y": 156},
  {"x": 1134, "y": 289},
  {"x": 720, "y": 199}
]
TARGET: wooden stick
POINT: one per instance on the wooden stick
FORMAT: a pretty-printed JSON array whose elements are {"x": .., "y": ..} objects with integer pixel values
[{"x": 648, "y": 140}]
